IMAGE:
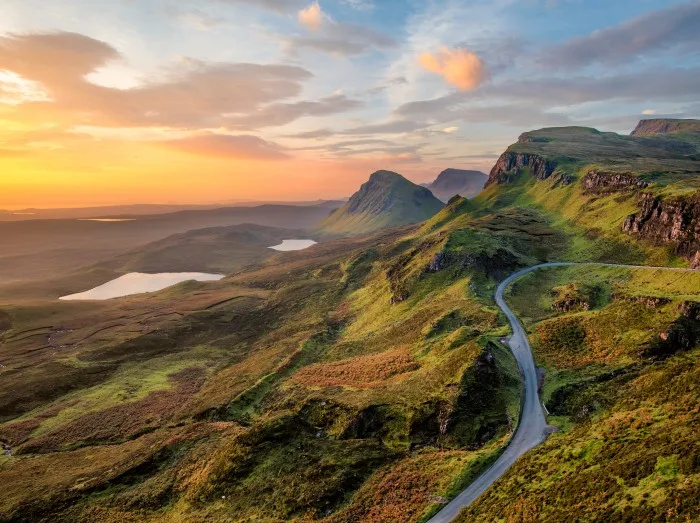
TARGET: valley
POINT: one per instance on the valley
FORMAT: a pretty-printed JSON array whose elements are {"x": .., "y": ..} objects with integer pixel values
[{"x": 393, "y": 371}]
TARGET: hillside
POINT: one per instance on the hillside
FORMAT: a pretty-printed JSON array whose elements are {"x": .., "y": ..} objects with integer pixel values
[
  {"x": 35, "y": 249},
  {"x": 605, "y": 187},
  {"x": 666, "y": 126},
  {"x": 217, "y": 249},
  {"x": 386, "y": 200},
  {"x": 452, "y": 182},
  {"x": 365, "y": 379}
]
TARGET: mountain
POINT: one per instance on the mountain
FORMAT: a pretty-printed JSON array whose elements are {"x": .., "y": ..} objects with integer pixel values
[
  {"x": 655, "y": 126},
  {"x": 367, "y": 379},
  {"x": 453, "y": 182},
  {"x": 386, "y": 200},
  {"x": 127, "y": 211},
  {"x": 613, "y": 186}
]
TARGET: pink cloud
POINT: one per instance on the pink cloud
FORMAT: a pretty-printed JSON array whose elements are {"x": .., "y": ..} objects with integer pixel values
[
  {"x": 311, "y": 17},
  {"x": 459, "y": 67}
]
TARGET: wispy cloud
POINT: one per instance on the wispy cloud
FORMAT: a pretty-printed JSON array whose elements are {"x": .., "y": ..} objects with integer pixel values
[
  {"x": 243, "y": 147},
  {"x": 677, "y": 26},
  {"x": 341, "y": 40}
]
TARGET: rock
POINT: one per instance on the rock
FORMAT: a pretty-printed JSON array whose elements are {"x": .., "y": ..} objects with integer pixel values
[
  {"x": 606, "y": 182},
  {"x": 655, "y": 126},
  {"x": 511, "y": 163},
  {"x": 502, "y": 262},
  {"x": 695, "y": 263},
  {"x": 674, "y": 220},
  {"x": 690, "y": 310},
  {"x": 652, "y": 302}
]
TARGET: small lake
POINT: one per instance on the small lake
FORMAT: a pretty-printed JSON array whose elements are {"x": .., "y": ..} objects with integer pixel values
[
  {"x": 293, "y": 245},
  {"x": 106, "y": 220},
  {"x": 138, "y": 282}
]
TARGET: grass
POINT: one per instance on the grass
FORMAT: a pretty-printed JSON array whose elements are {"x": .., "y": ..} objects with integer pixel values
[
  {"x": 363, "y": 379},
  {"x": 626, "y": 421}
]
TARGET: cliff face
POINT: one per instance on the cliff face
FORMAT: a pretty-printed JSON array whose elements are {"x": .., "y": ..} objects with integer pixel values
[
  {"x": 510, "y": 163},
  {"x": 606, "y": 182},
  {"x": 665, "y": 126},
  {"x": 669, "y": 221}
]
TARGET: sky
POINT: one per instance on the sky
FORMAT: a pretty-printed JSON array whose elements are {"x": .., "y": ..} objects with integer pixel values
[{"x": 177, "y": 101}]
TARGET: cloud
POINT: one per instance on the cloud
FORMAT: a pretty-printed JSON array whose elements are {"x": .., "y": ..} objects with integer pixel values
[
  {"x": 50, "y": 57},
  {"x": 197, "y": 19},
  {"x": 341, "y": 40},
  {"x": 240, "y": 147},
  {"x": 391, "y": 127},
  {"x": 280, "y": 6},
  {"x": 192, "y": 94},
  {"x": 284, "y": 113},
  {"x": 311, "y": 17},
  {"x": 450, "y": 130},
  {"x": 14, "y": 89},
  {"x": 658, "y": 83},
  {"x": 313, "y": 135},
  {"x": 459, "y": 67},
  {"x": 675, "y": 27},
  {"x": 649, "y": 112}
]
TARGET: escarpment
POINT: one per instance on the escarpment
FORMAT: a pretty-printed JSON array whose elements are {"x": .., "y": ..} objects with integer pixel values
[
  {"x": 510, "y": 163},
  {"x": 655, "y": 126},
  {"x": 674, "y": 220},
  {"x": 596, "y": 181}
]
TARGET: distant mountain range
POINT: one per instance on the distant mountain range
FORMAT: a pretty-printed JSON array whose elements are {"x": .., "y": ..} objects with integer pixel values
[
  {"x": 451, "y": 182},
  {"x": 113, "y": 211},
  {"x": 386, "y": 200}
]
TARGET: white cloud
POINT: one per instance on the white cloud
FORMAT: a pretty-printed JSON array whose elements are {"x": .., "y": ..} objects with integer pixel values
[{"x": 649, "y": 112}]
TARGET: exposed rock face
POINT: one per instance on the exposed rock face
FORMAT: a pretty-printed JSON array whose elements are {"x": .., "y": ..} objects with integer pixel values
[
  {"x": 606, "y": 182},
  {"x": 510, "y": 163},
  {"x": 669, "y": 220},
  {"x": 501, "y": 263},
  {"x": 665, "y": 126}
]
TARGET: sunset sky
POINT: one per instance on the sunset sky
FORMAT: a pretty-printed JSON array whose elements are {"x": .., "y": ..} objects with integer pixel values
[{"x": 135, "y": 101}]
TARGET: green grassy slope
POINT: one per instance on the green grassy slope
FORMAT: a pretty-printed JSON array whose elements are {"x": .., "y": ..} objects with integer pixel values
[
  {"x": 386, "y": 200},
  {"x": 621, "y": 383},
  {"x": 363, "y": 379}
]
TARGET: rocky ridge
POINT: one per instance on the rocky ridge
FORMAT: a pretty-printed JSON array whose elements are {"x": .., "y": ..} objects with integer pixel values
[
  {"x": 510, "y": 163},
  {"x": 655, "y": 126},
  {"x": 674, "y": 220},
  {"x": 596, "y": 181}
]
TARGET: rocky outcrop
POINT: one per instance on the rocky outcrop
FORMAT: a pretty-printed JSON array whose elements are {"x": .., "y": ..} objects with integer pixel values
[
  {"x": 496, "y": 265},
  {"x": 690, "y": 310},
  {"x": 511, "y": 163},
  {"x": 601, "y": 182},
  {"x": 674, "y": 220},
  {"x": 655, "y": 126}
]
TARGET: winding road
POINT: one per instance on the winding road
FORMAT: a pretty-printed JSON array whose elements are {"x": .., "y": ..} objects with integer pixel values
[{"x": 532, "y": 429}]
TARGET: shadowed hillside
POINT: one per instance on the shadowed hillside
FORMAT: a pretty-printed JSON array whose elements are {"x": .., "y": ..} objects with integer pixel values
[{"x": 452, "y": 182}]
